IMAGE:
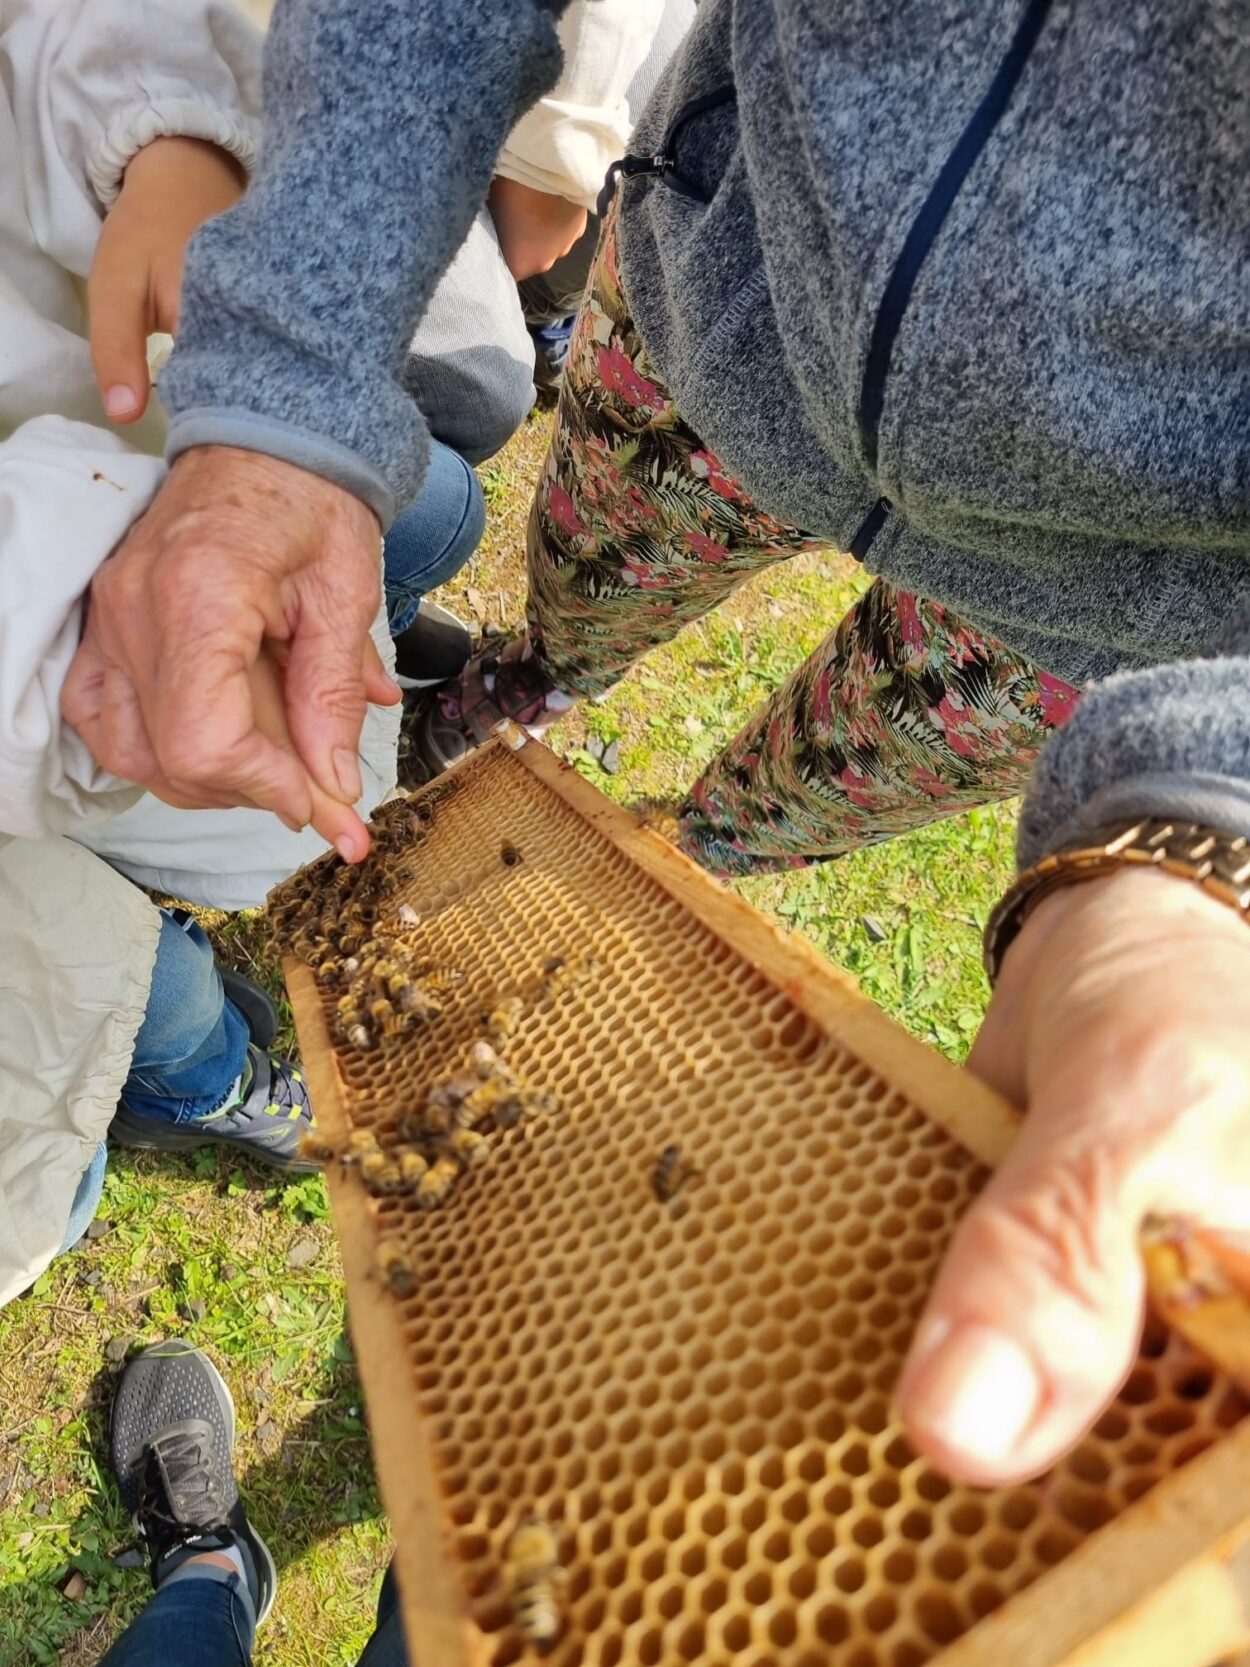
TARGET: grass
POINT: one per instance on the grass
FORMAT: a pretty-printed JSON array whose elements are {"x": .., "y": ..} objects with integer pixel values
[{"x": 247, "y": 1266}]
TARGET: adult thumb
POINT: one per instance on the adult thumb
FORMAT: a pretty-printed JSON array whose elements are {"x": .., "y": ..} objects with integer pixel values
[{"x": 1035, "y": 1318}]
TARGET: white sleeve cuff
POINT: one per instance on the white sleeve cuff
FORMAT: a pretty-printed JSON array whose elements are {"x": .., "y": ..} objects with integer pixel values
[{"x": 173, "y": 118}]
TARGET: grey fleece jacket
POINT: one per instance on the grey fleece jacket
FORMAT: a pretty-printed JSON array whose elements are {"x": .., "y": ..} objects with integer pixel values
[{"x": 957, "y": 284}]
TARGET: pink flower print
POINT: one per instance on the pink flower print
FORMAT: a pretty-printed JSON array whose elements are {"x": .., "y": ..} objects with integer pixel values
[
  {"x": 563, "y": 511},
  {"x": 706, "y": 467},
  {"x": 931, "y": 783},
  {"x": 618, "y": 376},
  {"x": 857, "y": 785},
  {"x": 707, "y": 549},
  {"x": 949, "y": 715},
  {"x": 1059, "y": 700},
  {"x": 909, "y": 622},
  {"x": 822, "y": 699},
  {"x": 952, "y": 719}
]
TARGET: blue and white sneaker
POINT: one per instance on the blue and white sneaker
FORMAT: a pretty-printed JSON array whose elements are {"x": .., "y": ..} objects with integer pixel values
[{"x": 267, "y": 1120}]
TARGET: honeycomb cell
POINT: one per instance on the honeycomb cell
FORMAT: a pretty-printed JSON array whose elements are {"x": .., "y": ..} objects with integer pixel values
[{"x": 694, "y": 1392}]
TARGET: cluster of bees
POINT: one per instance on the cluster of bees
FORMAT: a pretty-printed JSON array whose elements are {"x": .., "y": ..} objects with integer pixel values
[
  {"x": 363, "y": 946},
  {"x": 441, "y": 1136},
  {"x": 362, "y": 943}
]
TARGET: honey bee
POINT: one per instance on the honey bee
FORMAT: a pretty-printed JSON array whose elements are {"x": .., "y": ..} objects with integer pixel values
[
  {"x": 435, "y": 1187},
  {"x": 504, "y": 1022},
  {"x": 388, "y": 1020},
  {"x": 444, "y": 1102},
  {"x": 309, "y": 944},
  {"x": 406, "y": 915},
  {"x": 503, "y": 1100},
  {"x": 469, "y": 1148},
  {"x": 395, "y": 1269},
  {"x": 562, "y": 976},
  {"x": 415, "y": 1000},
  {"x": 496, "y": 1099},
  {"x": 483, "y": 1060},
  {"x": 353, "y": 1027},
  {"x": 413, "y": 1167},
  {"x": 386, "y": 1180},
  {"x": 670, "y": 1174},
  {"x": 328, "y": 971},
  {"x": 361, "y": 1144},
  {"x": 317, "y": 1150},
  {"x": 374, "y": 1165},
  {"x": 533, "y": 1576}
]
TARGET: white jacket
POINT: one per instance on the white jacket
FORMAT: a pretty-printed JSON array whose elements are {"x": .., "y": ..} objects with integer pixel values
[
  {"x": 568, "y": 141},
  {"x": 84, "y": 84}
]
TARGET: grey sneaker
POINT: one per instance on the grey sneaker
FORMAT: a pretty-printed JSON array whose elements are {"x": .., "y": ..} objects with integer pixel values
[
  {"x": 268, "y": 1122},
  {"x": 172, "y": 1442},
  {"x": 433, "y": 649}
]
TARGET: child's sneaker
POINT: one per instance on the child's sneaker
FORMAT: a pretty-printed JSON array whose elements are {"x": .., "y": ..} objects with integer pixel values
[
  {"x": 267, "y": 1120},
  {"x": 172, "y": 1441}
]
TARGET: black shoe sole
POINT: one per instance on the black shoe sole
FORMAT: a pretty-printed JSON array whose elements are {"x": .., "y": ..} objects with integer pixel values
[{"x": 149, "y": 1134}]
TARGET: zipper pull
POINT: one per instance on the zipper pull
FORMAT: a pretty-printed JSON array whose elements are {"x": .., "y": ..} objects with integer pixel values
[{"x": 634, "y": 167}]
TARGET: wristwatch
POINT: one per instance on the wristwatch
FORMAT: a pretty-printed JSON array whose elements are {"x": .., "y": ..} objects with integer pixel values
[{"x": 1218, "y": 862}]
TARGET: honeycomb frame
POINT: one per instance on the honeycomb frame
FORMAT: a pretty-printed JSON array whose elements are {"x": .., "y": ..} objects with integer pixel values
[{"x": 698, "y": 1399}]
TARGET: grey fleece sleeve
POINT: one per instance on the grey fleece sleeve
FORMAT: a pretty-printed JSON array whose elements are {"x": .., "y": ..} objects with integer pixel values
[
  {"x": 1171, "y": 741},
  {"x": 382, "y": 125}
]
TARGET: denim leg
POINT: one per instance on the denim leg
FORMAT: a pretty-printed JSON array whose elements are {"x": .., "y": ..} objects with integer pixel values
[
  {"x": 200, "y": 1622},
  {"x": 433, "y": 538},
  {"x": 386, "y": 1648},
  {"x": 192, "y": 1044},
  {"x": 82, "y": 1210}
]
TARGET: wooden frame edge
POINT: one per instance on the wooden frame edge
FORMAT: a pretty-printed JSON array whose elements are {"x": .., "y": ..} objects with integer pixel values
[{"x": 431, "y": 1598}]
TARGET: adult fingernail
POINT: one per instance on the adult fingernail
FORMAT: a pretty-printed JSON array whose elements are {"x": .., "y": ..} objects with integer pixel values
[
  {"x": 346, "y": 847},
  {"x": 347, "y": 770},
  {"x": 120, "y": 401},
  {"x": 972, "y": 1389}
]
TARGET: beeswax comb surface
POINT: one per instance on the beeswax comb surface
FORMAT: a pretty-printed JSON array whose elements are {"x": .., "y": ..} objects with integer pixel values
[{"x": 694, "y": 1393}]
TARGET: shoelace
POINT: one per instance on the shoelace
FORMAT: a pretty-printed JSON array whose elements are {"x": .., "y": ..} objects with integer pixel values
[
  {"x": 284, "y": 1089},
  {"x": 178, "y": 1462}
]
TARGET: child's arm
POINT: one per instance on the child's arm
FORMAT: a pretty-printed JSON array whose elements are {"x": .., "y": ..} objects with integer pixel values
[
  {"x": 95, "y": 81},
  {"x": 146, "y": 110},
  {"x": 171, "y": 187}
]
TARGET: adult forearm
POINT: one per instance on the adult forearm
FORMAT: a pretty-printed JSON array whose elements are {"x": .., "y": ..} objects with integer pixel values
[{"x": 382, "y": 126}]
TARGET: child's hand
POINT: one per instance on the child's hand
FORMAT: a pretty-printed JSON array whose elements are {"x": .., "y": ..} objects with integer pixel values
[
  {"x": 171, "y": 187},
  {"x": 534, "y": 228}
]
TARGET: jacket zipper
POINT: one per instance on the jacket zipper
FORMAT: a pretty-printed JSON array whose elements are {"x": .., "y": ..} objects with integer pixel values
[
  {"x": 928, "y": 223},
  {"x": 663, "y": 165}
]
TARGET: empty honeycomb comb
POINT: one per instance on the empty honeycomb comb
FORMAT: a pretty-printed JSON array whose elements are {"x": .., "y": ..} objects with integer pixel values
[{"x": 694, "y": 1391}]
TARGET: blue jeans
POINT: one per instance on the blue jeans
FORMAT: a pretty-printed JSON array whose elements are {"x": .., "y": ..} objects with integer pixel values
[
  {"x": 189, "y": 1053},
  {"x": 192, "y": 1044},
  {"x": 205, "y": 1620},
  {"x": 433, "y": 538}
]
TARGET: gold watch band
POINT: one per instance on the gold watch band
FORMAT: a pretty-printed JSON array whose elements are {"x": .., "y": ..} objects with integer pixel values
[{"x": 1219, "y": 863}]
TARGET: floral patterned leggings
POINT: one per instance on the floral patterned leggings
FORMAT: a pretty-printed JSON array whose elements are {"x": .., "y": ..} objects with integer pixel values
[{"x": 902, "y": 715}]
